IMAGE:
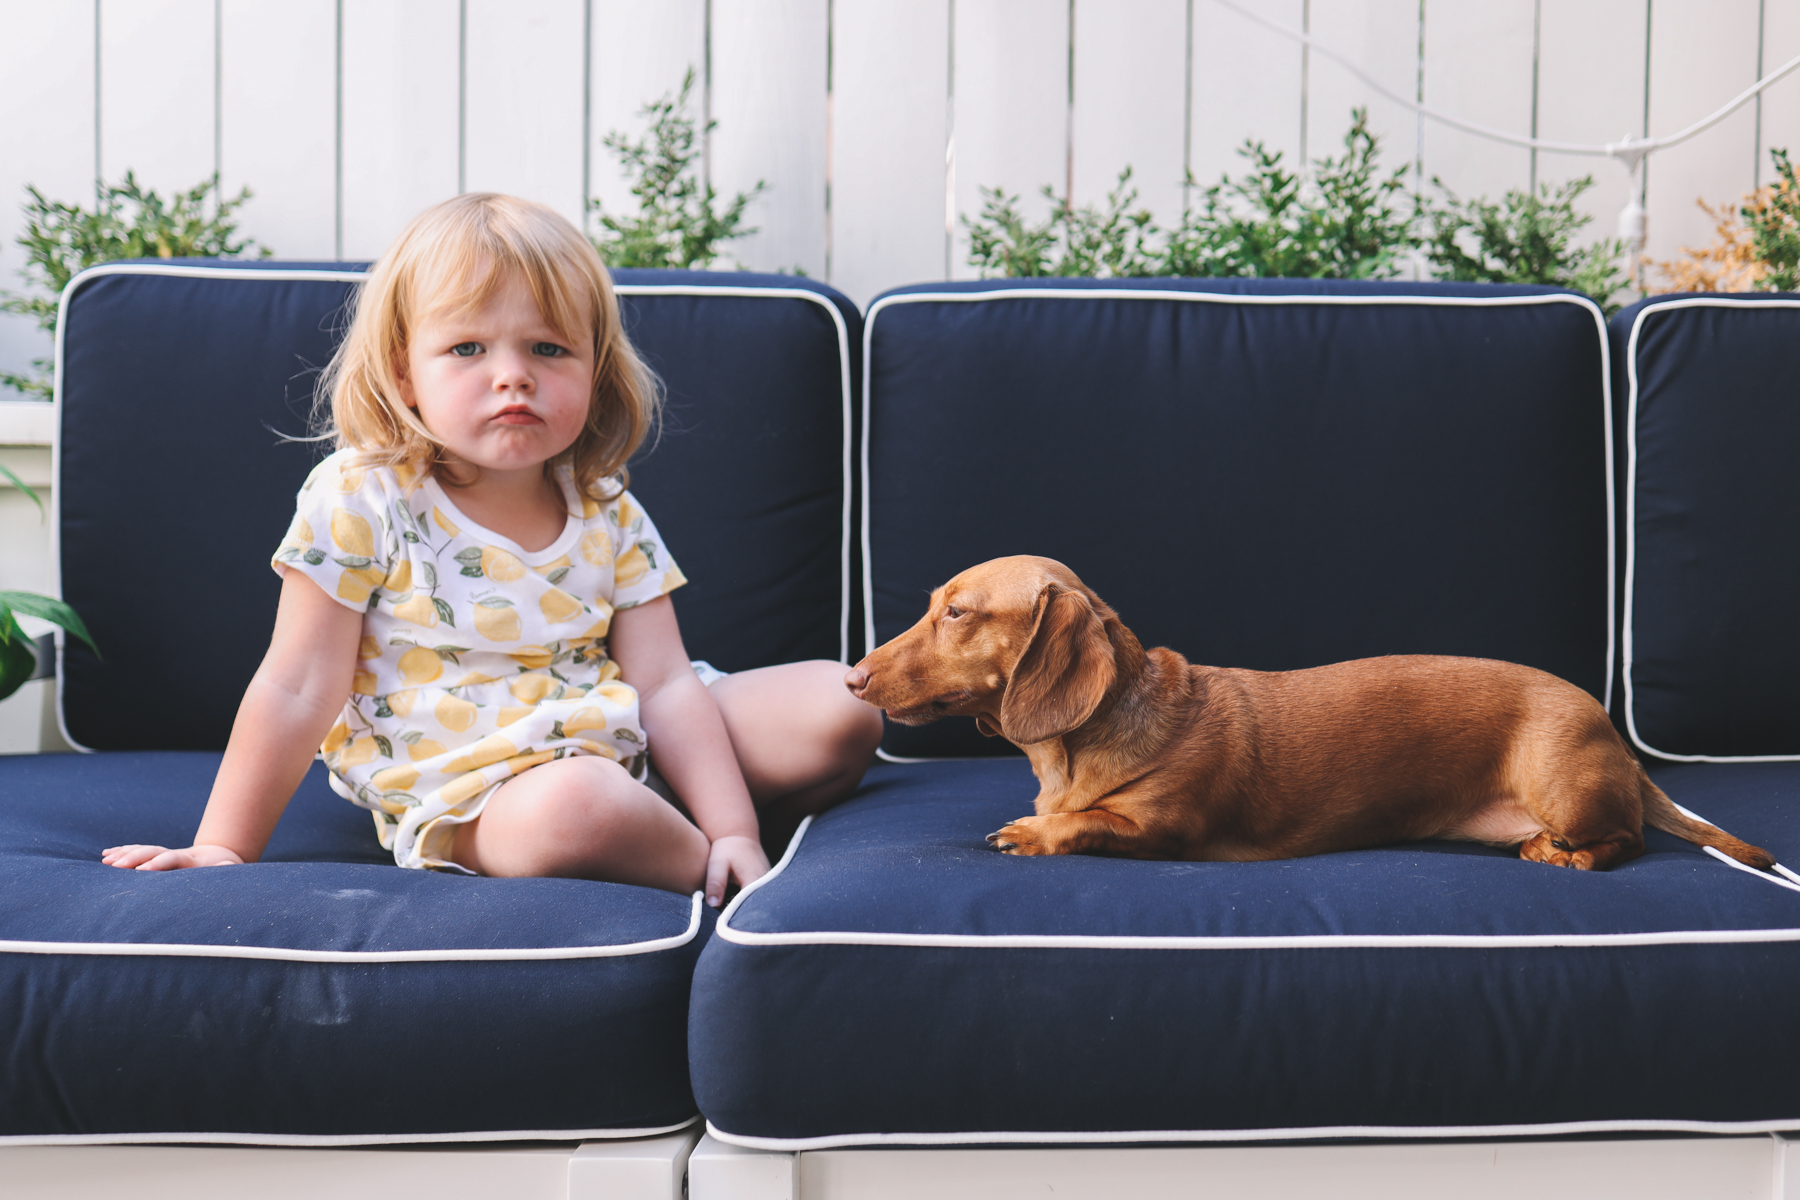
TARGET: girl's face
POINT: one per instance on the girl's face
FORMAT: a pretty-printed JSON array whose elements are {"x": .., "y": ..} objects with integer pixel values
[{"x": 498, "y": 385}]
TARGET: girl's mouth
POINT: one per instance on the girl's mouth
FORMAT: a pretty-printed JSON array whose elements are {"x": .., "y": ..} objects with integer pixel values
[{"x": 517, "y": 416}]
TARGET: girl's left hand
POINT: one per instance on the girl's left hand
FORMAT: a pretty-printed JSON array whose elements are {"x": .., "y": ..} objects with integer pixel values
[{"x": 736, "y": 857}]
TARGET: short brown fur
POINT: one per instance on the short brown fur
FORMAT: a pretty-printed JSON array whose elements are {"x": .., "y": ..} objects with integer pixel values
[{"x": 1141, "y": 754}]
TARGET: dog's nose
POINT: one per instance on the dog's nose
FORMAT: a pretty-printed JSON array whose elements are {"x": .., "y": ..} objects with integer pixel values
[{"x": 857, "y": 680}]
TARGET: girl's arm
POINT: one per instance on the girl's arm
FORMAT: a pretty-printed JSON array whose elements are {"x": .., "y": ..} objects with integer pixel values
[
  {"x": 689, "y": 743},
  {"x": 288, "y": 708}
]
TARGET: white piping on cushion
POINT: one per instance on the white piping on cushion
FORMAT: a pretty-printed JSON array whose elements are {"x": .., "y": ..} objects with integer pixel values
[
  {"x": 1314, "y": 941},
  {"x": 1250, "y": 1135},
  {"x": 1762, "y": 875},
  {"x": 1227, "y": 298},
  {"x": 284, "y": 954},
  {"x": 1631, "y": 458},
  {"x": 338, "y": 1139}
]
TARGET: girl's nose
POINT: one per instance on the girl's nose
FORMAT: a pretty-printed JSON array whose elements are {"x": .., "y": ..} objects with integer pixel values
[{"x": 512, "y": 373}]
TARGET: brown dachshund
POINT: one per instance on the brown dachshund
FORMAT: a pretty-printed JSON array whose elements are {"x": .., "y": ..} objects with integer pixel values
[{"x": 1143, "y": 755}]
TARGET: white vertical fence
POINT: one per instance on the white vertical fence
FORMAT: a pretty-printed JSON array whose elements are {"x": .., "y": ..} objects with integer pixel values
[{"x": 874, "y": 123}]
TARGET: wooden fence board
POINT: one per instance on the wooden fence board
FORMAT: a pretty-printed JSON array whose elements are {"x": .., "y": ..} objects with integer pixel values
[
  {"x": 1478, "y": 67},
  {"x": 1247, "y": 87},
  {"x": 279, "y": 121},
  {"x": 400, "y": 116},
  {"x": 1591, "y": 90},
  {"x": 156, "y": 91},
  {"x": 768, "y": 95},
  {"x": 640, "y": 53},
  {"x": 1701, "y": 53},
  {"x": 1131, "y": 100},
  {"x": 889, "y": 128},
  {"x": 524, "y": 95},
  {"x": 47, "y": 114},
  {"x": 1010, "y": 107}
]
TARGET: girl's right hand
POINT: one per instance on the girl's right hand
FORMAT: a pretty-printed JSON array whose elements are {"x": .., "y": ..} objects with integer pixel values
[{"x": 157, "y": 858}]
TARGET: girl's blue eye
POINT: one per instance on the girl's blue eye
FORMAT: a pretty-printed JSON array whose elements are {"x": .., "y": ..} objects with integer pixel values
[
  {"x": 549, "y": 350},
  {"x": 466, "y": 349}
]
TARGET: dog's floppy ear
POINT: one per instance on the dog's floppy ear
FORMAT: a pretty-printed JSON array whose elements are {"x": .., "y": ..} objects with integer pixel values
[{"x": 1063, "y": 674}]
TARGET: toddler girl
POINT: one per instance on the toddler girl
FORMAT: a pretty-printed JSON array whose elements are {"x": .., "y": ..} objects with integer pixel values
[{"x": 469, "y": 571}]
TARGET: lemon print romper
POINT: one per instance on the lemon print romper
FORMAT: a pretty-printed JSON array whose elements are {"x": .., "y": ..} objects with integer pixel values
[{"x": 478, "y": 660}]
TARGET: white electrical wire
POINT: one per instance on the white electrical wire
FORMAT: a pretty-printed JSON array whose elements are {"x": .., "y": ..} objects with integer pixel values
[{"x": 1628, "y": 150}]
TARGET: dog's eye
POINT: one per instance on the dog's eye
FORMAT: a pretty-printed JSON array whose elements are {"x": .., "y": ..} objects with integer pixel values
[{"x": 953, "y": 612}]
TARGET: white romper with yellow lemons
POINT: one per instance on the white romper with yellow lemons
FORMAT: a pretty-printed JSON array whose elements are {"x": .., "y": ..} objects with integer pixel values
[{"x": 478, "y": 659}]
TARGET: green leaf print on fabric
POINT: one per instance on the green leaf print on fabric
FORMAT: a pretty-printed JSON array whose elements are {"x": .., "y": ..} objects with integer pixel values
[{"x": 445, "y": 613}]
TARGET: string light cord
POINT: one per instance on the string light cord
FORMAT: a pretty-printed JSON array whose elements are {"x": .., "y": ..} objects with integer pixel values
[{"x": 1630, "y": 151}]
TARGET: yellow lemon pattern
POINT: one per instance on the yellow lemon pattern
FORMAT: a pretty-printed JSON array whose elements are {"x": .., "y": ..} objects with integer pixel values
[{"x": 478, "y": 659}]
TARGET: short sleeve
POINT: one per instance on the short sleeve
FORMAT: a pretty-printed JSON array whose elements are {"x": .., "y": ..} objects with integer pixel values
[
  {"x": 643, "y": 569},
  {"x": 338, "y": 537}
]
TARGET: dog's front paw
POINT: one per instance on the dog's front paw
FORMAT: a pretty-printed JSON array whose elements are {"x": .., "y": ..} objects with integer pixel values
[{"x": 1021, "y": 837}]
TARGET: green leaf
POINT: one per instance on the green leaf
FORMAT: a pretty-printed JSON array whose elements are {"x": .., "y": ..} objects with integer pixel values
[
  {"x": 411, "y": 737},
  {"x": 556, "y": 731},
  {"x": 386, "y": 747},
  {"x": 494, "y": 602},
  {"x": 410, "y": 536},
  {"x": 315, "y": 557},
  {"x": 381, "y": 708},
  {"x": 46, "y": 609},
  {"x": 472, "y": 572},
  {"x": 445, "y": 613},
  {"x": 406, "y": 798},
  {"x": 427, "y": 574},
  {"x": 354, "y": 562},
  {"x": 18, "y": 663},
  {"x": 469, "y": 557},
  {"x": 23, "y": 487},
  {"x": 649, "y": 549},
  {"x": 558, "y": 575}
]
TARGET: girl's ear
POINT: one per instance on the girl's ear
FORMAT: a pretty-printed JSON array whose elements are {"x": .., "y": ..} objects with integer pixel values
[{"x": 1064, "y": 673}]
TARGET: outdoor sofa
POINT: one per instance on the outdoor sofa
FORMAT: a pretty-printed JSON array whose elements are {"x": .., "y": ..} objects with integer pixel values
[{"x": 1268, "y": 474}]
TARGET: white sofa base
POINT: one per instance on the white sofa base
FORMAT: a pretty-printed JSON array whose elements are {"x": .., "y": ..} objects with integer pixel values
[
  {"x": 637, "y": 1169},
  {"x": 1763, "y": 1167}
]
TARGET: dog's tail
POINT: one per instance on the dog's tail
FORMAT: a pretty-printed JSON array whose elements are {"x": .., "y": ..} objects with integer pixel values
[{"x": 1660, "y": 812}]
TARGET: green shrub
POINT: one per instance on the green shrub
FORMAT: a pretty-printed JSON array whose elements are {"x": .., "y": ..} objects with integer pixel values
[
  {"x": 1525, "y": 238},
  {"x": 1106, "y": 242},
  {"x": 1349, "y": 221},
  {"x": 1350, "y": 218},
  {"x": 128, "y": 221},
  {"x": 678, "y": 222},
  {"x": 1774, "y": 228}
]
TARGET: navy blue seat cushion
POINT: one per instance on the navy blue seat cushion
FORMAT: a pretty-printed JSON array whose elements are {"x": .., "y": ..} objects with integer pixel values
[
  {"x": 899, "y": 980},
  {"x": 1266, "y": 474},
  {"x": 323, "y": 994},
  {"x": 178, "y": 383},
  {"x": 1711, "y": 517}
]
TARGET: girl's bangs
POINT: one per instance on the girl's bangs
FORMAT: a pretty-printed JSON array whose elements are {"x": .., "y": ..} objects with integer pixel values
[{"x": 469, "y": 272}]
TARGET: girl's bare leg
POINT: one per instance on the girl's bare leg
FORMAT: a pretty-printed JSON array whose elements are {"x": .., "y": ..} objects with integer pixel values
[
  {"x": 583, "y": 818},
  {"x": 802, "y": 740}
]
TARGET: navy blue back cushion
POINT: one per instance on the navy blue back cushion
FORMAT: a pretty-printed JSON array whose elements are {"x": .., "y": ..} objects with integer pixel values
[
  {"x": 1711, "y": 520},
  {"x": 175, "y": 482},
  {"x": 1265, "y": 474}
]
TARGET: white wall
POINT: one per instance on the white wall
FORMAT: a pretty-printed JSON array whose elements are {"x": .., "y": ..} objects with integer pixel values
[{"x": 874, "y": 122}]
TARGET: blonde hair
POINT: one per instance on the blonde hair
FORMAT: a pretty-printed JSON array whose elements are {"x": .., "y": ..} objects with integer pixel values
[{"x": 451, "y": 259}]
